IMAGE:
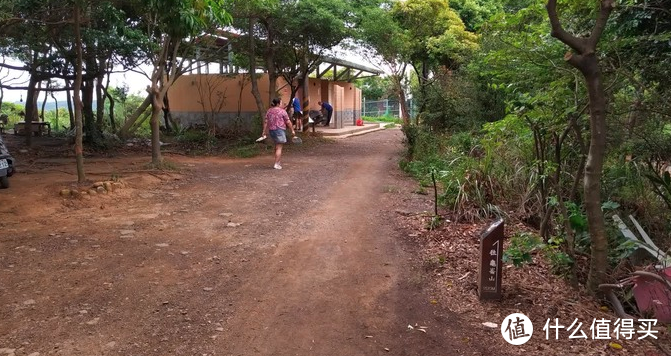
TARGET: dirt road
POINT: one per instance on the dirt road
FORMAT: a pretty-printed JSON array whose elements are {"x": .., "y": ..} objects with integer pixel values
[{"x": 229, "y": 257}]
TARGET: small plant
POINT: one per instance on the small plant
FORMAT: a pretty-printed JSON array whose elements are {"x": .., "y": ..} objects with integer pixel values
[
  {"x": 560, "y": 261},
  {"x": 522, "y": 245},
  {"x": 434, "y": 223},
  {"x": 442, "y": 259},
  {"x": 435, "y": 262}
]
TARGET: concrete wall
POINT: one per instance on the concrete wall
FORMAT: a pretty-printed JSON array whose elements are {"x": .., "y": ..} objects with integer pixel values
[
  {"x": 347, "y": 106},
  {"x": 228, "y": 100}
]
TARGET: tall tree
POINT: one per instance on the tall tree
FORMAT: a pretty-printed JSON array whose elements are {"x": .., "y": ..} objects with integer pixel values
[
  {"x": 79, "y": 149},
  {"x": 176, "y": 37},
  {"x": 291, "y": 36},
  {"x": 583, "y": 56},
  {"x": 439, "y": 38},
  {"x": 42, "y": 37},
  {"x": 385, "y": 40}
]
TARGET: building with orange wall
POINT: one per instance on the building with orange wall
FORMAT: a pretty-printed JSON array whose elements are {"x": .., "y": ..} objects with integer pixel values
[{"x": 226, "y": 99}]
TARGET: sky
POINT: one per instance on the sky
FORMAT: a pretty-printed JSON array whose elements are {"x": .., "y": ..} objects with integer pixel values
[{"x": 136, "y": 82}]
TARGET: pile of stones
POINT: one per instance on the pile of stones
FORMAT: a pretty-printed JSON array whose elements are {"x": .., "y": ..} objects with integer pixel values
[{"x": 98, "y": 188}]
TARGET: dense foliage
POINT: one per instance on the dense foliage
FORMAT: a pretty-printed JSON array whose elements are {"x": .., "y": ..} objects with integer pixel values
[{"x": 509, "y": 131}]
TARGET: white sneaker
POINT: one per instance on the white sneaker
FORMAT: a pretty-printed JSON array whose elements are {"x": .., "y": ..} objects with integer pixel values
[{"x": 277, "y": 166}]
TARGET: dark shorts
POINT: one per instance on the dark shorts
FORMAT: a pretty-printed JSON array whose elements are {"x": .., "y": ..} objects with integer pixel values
[
  {"x": 298, "y": 114},
  {"x": 279, "y": 136}
]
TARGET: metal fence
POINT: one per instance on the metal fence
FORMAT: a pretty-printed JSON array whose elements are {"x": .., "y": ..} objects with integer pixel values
[{"x": 387, "y": 107}]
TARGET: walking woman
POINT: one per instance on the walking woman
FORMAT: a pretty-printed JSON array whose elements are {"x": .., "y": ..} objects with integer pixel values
[{"x": 275, "y": 124}]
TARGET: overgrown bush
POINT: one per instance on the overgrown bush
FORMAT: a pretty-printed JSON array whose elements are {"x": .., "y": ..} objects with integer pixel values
[{"x": 196, "y": 137}]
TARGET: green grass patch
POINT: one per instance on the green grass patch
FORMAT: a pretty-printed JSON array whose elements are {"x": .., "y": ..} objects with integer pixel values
[{"x": 389, "y": 119}]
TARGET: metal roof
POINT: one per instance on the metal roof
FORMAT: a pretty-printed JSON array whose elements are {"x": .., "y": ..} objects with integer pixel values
[
  {"x": 345, "y": 70},
  {"x": 217, "y": 49}
]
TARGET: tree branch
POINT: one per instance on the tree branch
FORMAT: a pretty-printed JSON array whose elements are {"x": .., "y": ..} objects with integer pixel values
[
  {"x": 577, "y": 44},
  {"x": 601, "y": 20},
  {"x": 9, "y": 66}
]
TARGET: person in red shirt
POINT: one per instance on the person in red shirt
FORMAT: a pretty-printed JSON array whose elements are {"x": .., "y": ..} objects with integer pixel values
[{"x": 275, "y": 124}]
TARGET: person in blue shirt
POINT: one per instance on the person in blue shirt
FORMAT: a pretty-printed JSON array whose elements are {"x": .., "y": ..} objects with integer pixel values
[
  {"x": 298, "y": 113},
  {"x": 328, "y": 111}
]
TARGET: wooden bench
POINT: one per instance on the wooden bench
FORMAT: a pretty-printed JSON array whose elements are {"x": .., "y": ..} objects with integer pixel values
[{"x": 37, "y": 127}]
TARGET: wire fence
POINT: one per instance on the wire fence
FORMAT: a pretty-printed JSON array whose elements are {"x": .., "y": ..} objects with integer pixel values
[{"x": 386, "y": 107}]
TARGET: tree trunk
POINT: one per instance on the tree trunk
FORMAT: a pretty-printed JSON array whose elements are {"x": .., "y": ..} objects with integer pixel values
[
  {"x": 272, "y": 86},
  {"x": 270, "y": 66},
  {"x": 252, "y": 68},
  {"x": 93, "y": 134},
  {"x": 404, "y": 107},
  {"x": 112, "y": 102},
  {"x": 79, "y": 144},
  {"x": 125, "y": 129},
  {"x": 139, "y": 122},
  {"x": 44, "y": 103},
  {"x": 306, "y": 84},
  {"x": 586, "y": 61},
  {"x": 593, "y": 171},
  {"x": 167, "y": 116},
  {"x": 580, "y": 172},
  {"x": 30, "y": 109},
  {"x": 422, "y": 88},
  {"x": 156, "y": 90},
  {"x": 100, "y": 102},
  {"x": 70, "y": 110},
  {"x": 156, "y": 108},
  {"x": 56, "y": 104}
]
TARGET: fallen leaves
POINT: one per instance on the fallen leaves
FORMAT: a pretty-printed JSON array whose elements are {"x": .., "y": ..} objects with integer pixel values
[{"x": 531, "y": 290}]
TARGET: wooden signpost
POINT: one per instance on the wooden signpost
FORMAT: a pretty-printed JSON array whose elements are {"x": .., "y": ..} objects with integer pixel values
[{"x": 491, "y": 266}]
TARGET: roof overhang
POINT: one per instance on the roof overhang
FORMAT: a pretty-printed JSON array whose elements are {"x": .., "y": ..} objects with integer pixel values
[
  {"x": 216, "y": 48},
  {"x": 344, "y": 70}
]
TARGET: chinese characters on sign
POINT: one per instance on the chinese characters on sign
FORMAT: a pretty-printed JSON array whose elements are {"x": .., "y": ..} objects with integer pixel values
[
  {"x": 491, "y": 251},
  {"x": 601, "y": 329}
]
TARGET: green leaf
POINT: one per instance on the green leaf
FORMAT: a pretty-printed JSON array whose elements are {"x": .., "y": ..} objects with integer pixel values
[{"x": 609, "y": 205}]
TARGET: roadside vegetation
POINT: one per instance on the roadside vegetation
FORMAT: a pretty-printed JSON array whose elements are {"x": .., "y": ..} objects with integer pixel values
[{"x": 511, "y": 130}]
